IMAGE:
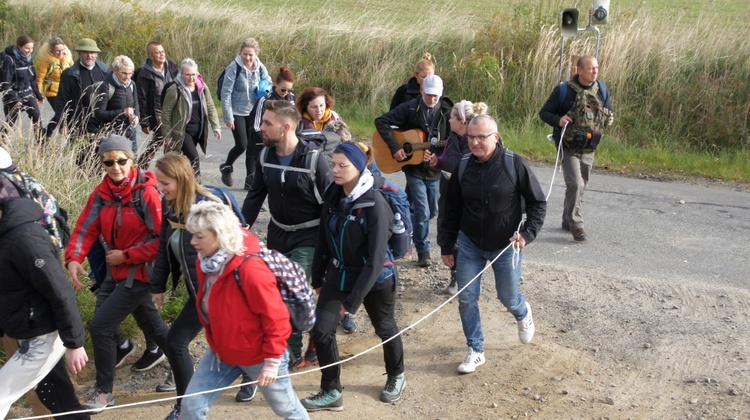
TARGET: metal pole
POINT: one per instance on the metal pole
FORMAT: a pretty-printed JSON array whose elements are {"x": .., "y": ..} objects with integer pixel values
[{"x": 562, "y": 54}]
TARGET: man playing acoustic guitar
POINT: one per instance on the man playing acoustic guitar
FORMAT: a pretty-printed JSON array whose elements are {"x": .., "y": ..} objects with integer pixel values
[{"x": 430, "y": 113}]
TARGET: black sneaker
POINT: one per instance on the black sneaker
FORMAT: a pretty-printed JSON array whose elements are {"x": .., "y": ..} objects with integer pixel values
[
  {"x": 148, "y": 360},
  {"x": 246, "y": 393},
  {"x": 226, "y": 174},
  {"x": 123, "y": 354},
  {"x": 294, "y": 361}
]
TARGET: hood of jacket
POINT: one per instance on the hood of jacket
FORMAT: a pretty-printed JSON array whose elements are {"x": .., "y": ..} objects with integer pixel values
[
  {"x": 199, "y": 83},
  {"x": 46, "y": 54},
  {"x": 17, "y": 211}
]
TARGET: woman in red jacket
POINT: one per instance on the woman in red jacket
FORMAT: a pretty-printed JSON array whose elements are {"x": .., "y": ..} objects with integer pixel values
[
  {"x": 124, "y": 213},
  {"x": 246, "y": 322}
]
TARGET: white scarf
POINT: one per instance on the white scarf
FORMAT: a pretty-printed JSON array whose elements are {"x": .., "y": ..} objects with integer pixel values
[
  {"x": 364, "y": 184},
  {"x": 215, "y": 262}
]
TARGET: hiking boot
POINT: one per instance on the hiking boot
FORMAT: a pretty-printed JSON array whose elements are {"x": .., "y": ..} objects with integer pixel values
[
  {"x": 579, "y": 235},
  {"x": 331, "y": 400},
  {"x": 246, "y": 393},
  {"x": 526, "y": 326},
  {"x": 248, "y": 182},
  {"x": 174, "y": 414},
  {"x": 226, "y": 174},
  {"x": 452, "y": 288},
  {"x": 394, "y": 386},
  {"x": 148, "y": 360},
  {"x": 98, "y": 400},
  {"x": 424, "y": 259},
  {"x": 168, "y": 385},
  {"x": 471, "y": 362},
  {"x": 348, "y": 324},
  {"x": 123, "y": 354}
]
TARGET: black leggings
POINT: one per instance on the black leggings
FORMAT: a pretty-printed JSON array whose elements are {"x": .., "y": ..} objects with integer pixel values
[
  {"x": 190, "y": 150},
  {"x": 243, "y": 126},
  {"x": 184, "y": 329},
  {"x": 28, "y": 105}
]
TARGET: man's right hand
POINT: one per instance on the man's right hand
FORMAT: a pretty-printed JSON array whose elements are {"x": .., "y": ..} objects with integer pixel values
[
  {"x": 448, "y": 260},
  {"x": 400, "y": 155},
  {"x": 565, "y": 120}
]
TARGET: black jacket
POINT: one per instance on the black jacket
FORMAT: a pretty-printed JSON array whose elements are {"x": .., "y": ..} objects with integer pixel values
[
  {"x": 551, "y": 111},
  {"x": 406, "y": 92},
  {"x": 75, "y": 96},
  {"x": 109, "y": 111},
  {"x": 291, "y": 198},
  {"x": 36, "y": 297},
  {"x": 19, "y": 77},
  {"x": 485, "y": 205},
  {"x": 410, "y": 115},
  {"x": 352, "y": 244},
  {"x": 149, "y": 84}
]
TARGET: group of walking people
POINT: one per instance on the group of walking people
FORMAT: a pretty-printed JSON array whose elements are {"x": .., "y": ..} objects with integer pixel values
[{"x": 326, "y": 215}]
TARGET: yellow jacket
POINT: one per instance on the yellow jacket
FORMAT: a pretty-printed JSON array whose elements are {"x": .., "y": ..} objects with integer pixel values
[{"x": 49, "y": 68}]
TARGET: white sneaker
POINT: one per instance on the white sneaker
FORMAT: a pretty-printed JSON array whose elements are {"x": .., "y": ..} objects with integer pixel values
[
  {"x": 526, "y": 326},
  {"x": 472, "y": 360}
]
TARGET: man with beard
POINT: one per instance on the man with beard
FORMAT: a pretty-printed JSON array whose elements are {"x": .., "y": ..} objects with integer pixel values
[{"x": 293, "y": 173}]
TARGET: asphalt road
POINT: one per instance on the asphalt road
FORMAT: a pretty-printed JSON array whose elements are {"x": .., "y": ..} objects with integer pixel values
[{"x": 674, "y": 232}]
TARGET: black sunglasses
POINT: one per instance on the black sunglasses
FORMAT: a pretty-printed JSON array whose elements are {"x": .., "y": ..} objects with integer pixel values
[
  {"x": 121, "y": 162},
  {"x": 285, "y": 90}
]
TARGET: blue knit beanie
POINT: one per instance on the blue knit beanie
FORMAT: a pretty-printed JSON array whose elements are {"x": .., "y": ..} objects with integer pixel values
[{"x": 355, "y": 155}]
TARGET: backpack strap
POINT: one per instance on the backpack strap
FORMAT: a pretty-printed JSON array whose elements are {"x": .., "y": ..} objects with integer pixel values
[
  {"x": 311, "y": 167},
  {"x": 510, "y": 167},
  {"x": 462, "y": 166},
  {"x": 238, "y": 279}
]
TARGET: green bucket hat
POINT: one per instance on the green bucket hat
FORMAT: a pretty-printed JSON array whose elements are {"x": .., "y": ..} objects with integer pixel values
[{"x": 87, "y": 45}]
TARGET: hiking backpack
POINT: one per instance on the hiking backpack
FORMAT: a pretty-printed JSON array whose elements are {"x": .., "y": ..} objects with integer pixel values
[
  {"x": 589, "y": 116},
  {"x": 399, "y": 243},
  {"x": 55, "y": 219},
  {"x": 292, "y": 283},
  {"x": 220, "y": 80}
]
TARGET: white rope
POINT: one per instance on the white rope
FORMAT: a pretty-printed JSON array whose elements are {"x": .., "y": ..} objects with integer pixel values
[{"x": 557, "y": 159}]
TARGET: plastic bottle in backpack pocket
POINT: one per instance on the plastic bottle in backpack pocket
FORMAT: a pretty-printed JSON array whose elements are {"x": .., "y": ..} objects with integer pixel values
[{"x": 398, "y": 225}]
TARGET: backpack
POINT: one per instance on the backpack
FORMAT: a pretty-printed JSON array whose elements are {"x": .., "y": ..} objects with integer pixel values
[
  {"x": 323, "y": 141},
  {"x": 220, "y": 80},
  {"x": 96, "y": 88},
  {"x": 229, "y": 199},
  {"x": 590, "y": 117},
  {"x": 399, "y": 243},
  {"x": 292, "y": 283},
  {"x": 564, "y": 92},
  {"x": 55, "y": 219},
  {"x": 509, "y": 159},
  {"x": 164, "y": 90}
]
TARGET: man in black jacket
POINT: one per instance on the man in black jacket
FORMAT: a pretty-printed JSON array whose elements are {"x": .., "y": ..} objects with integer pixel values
[
  {"x": 37, "y": 307},
  {"x": 283, "y": 172},
  {"x": 430, "y": 113},
  {"x": 483, "y": 213},
  {"x": 75, "y": 91},
  {"x": 155, "y": 73},
  {"x": 583, "y": 129}
]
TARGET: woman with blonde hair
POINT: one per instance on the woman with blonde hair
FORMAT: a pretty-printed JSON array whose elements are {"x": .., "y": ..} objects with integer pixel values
[
  {"x": 455, "y": 148},
  {"x": 54, "y": 57},
  {"x": 246, "y": 321},
  {"x": 411, "y": 89}
]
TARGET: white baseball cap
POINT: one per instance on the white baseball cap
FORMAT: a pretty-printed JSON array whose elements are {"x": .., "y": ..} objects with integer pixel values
[{"x": 433, "y": 85}]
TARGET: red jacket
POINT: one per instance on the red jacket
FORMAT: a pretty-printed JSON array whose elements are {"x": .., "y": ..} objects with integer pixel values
[
  {"x": 248, "y": 325},
  {"x": 139, "y": 242}
]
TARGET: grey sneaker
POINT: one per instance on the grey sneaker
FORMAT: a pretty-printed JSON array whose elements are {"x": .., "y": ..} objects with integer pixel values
[
  {"x": 394, "y": 386},
  {"x": 348, "y": 324},
  {"x": 331, "y": 400},
  {"x": 168, "y": 385},
  {"x": 98, "y": 400}
]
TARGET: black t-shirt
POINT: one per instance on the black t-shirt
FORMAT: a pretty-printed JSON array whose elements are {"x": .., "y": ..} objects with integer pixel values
[{"x": 194, "y": 123}]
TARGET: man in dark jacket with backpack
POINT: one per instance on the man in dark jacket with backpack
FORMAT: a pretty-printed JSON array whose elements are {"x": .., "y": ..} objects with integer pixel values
[
  {"x": 293, "y": 173},
  {"x": 151, "y": 80},
  {"x": 583, "y": 109},
  {"x": 483, "y": 212}
]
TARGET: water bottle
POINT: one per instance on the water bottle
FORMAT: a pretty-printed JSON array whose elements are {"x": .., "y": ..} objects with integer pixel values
[{"x": 398, "y": 225}]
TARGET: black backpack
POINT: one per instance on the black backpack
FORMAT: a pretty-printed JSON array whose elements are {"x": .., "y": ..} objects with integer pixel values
[{"x": 220, "y": 80}]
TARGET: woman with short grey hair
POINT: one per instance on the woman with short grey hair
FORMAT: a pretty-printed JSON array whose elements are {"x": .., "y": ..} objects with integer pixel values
[{"x": 117, "y": 101}]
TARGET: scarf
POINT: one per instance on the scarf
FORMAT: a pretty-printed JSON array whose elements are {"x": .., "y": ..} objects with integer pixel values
[
  {"x": 21, "y": 59},
  {"x": 125, "y": 187},
  {"x": 319, "y": 125},
  {"x": 215, "y": 262},
  {"x": 364, "y": 184}
]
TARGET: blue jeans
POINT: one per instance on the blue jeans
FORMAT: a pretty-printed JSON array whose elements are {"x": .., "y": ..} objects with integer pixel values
[
  {"x": 423, "y": 197},
  {"x": 471, "y": 260},
  {"x": 213, "y": 373}
]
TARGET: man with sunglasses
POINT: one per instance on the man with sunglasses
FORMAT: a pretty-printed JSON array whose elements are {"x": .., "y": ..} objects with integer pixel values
[
  {"x": 150, "y": 80},
  {"x": 483, "y": 212}
]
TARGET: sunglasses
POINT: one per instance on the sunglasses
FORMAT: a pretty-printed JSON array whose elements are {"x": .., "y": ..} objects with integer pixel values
[
  {"x": 285, "y": 90},
  {"x": 120, "y": 162}
]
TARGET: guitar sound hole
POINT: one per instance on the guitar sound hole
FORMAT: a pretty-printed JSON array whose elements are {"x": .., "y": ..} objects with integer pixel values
[{"x": 408, "y": 149}]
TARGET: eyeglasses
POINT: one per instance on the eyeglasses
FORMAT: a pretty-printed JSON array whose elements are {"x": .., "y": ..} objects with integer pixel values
[
  {"x": 59, "y": 51},
  {"x": 480, "y": 137},
  {"x": 120, "y": 162}
]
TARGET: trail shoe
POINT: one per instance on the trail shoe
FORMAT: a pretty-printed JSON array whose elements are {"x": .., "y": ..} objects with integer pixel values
[
  {"x": 331, "y": 400},
  {"x": 148, "y": 360},
  {"x": 168, "y": 385},
  {"x": 424, "y": 259},
  {"x": 174, "y": 414},
  {"x": 246, "y": 393},
  {"x": 98, "y": 400},
  {"x": 471, "y": 362},
  {"x": 310, "y": 359},
  {"x": 394, "y": 386},
  {"x": 226, "y": 174},
  {"x": 579, "y": 235},
  {"x": 347, "y": 322},
  {"x": 526, "y": 326},
  {"x": 123, "y": 354}
]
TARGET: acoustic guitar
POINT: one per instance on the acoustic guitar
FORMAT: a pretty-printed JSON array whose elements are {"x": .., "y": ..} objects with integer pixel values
[{"x": 413, "y": 143}]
